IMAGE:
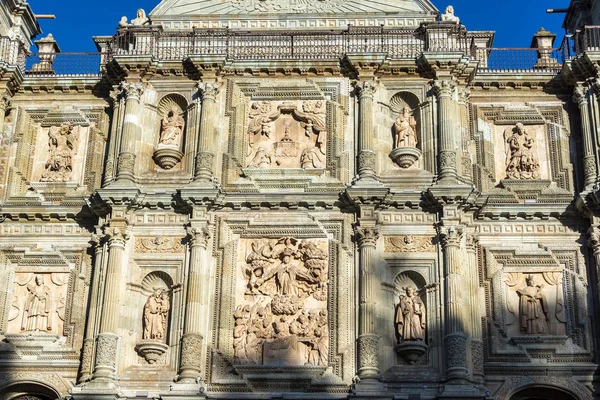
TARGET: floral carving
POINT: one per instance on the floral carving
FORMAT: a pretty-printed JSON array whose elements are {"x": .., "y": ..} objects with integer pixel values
[
  {"x": 409, "y": 244},
  {"x": 158, "y": 245},
  {"x": 191, "y": 351},
  {"x": 366, "y": 160},
  {"x": 366, "y": 236},
  {"x": 106, "y": 350},
  {"x": 63, "y": 142},
  {"x": 456, "y": 351},
  {"x": 126, "y": 162},
  {"x": 521, "y": 158},
  {"x": 368, "y": 351},
  {"x": 204, "y": 161},
  {"x": 447, "y": 159}
]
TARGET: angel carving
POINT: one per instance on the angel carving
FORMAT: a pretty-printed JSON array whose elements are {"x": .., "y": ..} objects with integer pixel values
[
  {"x": 261, "y": 118},
  {"x": 63, "y": 142},
  {"x": 313, "y": 117},
  {"x": 521, "y": 159}
]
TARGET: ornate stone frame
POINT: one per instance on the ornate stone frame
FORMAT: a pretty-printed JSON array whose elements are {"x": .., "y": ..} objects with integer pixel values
[
  {"x": 336, "y": 229},
  {"x": 239, "y": 94}
]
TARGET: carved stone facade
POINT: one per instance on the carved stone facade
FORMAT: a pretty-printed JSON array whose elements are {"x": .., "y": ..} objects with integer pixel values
[{"x": 294, "y": 208}]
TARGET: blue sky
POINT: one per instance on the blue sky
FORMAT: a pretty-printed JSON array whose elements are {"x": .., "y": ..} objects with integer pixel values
[{"x": 515, "y": 21}]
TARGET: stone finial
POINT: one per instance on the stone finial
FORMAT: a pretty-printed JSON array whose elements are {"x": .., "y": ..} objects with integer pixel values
[
  {"x": 543, "y": 41},
  {"x": 47, "y": 48}
]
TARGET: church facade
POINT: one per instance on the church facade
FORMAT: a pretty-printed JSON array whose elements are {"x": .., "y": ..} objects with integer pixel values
[{"x": 334, "y": 199}]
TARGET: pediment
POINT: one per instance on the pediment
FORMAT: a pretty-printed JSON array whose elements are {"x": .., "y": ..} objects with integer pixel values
[{"x": 189, "y": 8}]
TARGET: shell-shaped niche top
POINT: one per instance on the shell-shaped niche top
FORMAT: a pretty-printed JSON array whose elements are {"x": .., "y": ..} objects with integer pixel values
[
  {"x": 172, "y": 110},
  {"x": 157, "y": 280}
]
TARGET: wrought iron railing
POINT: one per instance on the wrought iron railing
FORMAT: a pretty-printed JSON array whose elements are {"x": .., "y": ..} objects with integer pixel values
[
  {"x": 587, "y": 40},
  {"x": 520, "y": 60}
]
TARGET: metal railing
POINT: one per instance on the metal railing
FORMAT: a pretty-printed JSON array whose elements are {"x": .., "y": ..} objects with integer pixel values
[
  {"x": 587, "y": 40},
  {"x": 64, "y": 64},
  {"x": 520, "y": 60}
]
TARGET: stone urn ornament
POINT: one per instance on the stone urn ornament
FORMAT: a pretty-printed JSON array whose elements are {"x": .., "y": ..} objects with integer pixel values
[{"x": 405, "y": 152}]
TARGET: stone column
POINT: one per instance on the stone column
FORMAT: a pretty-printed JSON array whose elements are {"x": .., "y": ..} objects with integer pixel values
[
  {"x": 475, "y": 306},
  {"x": 106, "y": 345},
  {"x": 455, "y": 341},
  {"x": 205, "y": 154},
  {"x": 466, "y": 168},
  {"x": 131, "y": 128},
  {"x": 116, "y": 99},
  {"x": 589, "y": 161},
  {"x": 191, "y": 341},
  {"x": 447, "y": 151},
  {"x": 86, "y": 368},
  {"x": 368, "y": 339},
  {"x": 4, "y": 103},
  {"x": 366, "y": 154}
]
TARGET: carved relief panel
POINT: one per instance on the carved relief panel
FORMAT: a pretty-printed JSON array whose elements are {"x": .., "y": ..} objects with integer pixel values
[
  {"x": 288, "y": 134},
  {"x": 281, "y": 302},
  {"x": 38, "y": 303}
]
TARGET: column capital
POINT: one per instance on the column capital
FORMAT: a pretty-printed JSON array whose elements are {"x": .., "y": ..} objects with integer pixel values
[
  {"x": 464, "y": 94},
  {"x": 451, "y": 236},
  {"x": 366, "y": 89},
  {"x": 579, "y": 95},
  {"x": 443, "y": 88},
  {"x": 208, "y": 90},
  {"x": 366, "y": 236},
  {"x": 133, "y": 90},
  {"x": 472, "y": 240},
  {"x": 117, "y": 236},
  {"x": 198, "y": 236},
  {"x": 595, "y": 84}
]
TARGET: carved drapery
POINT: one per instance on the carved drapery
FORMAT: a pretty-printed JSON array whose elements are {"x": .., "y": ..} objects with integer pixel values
[
  {"x": 131, "y": 129},
  {"x": 205, "y": 158},
  {"x": 368, "y": 339}
]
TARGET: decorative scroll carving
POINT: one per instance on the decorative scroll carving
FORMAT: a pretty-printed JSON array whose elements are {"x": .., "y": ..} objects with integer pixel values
[
  {"x": 409, "y": 244},
  {"x": 38, "y": 304},
  {"x": 521, "y": 159},
  {"x": 287, "y": 134},
  {"x": 63, "y": 142},
  {"x": 156, "y": 313},
  {"x": 282, "y": 318},
  {"x": 158, "y": 245}
]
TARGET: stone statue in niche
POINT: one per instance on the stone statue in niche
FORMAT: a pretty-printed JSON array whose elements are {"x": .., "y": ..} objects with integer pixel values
[
  {"x": 283, "y": 318},
  {"x": 63, "y": 142},
  {"x": 521, "y": 159},
  {"x": 410, "y": 317},
  {"x": 291, "y": 136},
  {"x": 172, "y": 128},
  {"x": 37, "y": 314},
  {"x": 405, "y": 129},
  {"x": 156, "y": 313},
  {"x": 533, "y": 309}
]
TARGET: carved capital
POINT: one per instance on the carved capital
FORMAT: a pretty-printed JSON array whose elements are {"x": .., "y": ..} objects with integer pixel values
[
  {"x": 198, "y": 236},
  {"x": 472, "y": 241},
  {"x": 366, "y": 236},
  {"x": 117, "y": 236},
  {"x": 580, "y": 95},
  {"x": 208, "y": 90},
  {"x": 366, "y": 89},
  {"x": 464, "y": 95},
  {"x": 132, "y": 90},
  {"x": 451, "y": 237},
  {"x": 443, "y": 88}
]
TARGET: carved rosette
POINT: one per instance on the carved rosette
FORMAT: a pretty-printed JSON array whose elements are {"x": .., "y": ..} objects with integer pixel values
[
  {"x": 447, "y": 159},
  {"x": 368, "y": 356},
  {"x": 191, "y": 352},
  {"x": 366, "y": 236},
  {"x": 106, "y": 351},
  {"x": 208, "y": 90}
]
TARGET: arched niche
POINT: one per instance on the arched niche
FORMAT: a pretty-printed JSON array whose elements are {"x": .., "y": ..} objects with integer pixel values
[
  {"x": 29, "y": 391},
  {"x": 406, "y": 130},
  {"x": 542, "y": 393},
  {"x": 169, "y": 146}
]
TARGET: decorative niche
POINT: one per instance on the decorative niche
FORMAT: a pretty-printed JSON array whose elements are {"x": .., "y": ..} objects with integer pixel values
[
  {"x": 172, "y": 110},
  {"x": 406, "y": 137}
]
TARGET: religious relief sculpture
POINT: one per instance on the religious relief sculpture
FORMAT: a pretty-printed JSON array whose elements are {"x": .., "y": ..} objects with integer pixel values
[
  {"x": 405, "y": 152},
  {"x": 39, "y": 303},
  {"x": 63, "y": 143},
  {"x": 168, "y": 152},
  {"x": 533, "y": 309},
  {"x": 411, "y": 321},
  {"x": 155, "y": 319},
  {"x": 287, "y": 134},
  {"x": 521, "y": 157},
  {"x": 282, "y": 318}
]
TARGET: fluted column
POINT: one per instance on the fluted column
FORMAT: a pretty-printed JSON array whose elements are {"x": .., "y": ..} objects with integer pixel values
[
  {"x": 131, "y": 128},
  {"x": 191, "y": 341},
  {"x": 106, "y": 345},
  {"x": 205, "y": 154},
  {"x": 368, "y": 339},
  {"x": 447, "y": 151},
  {"x": 86, "y": 368},
  {"x": 589, "y": 161},
  {"x": 118, "y": 108},
  {"x": 466, "y": 169},
  {"x": 475, "y": 307},
  {"x": 455, "y": 341},
  {"x": 366, "y": 154}
]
